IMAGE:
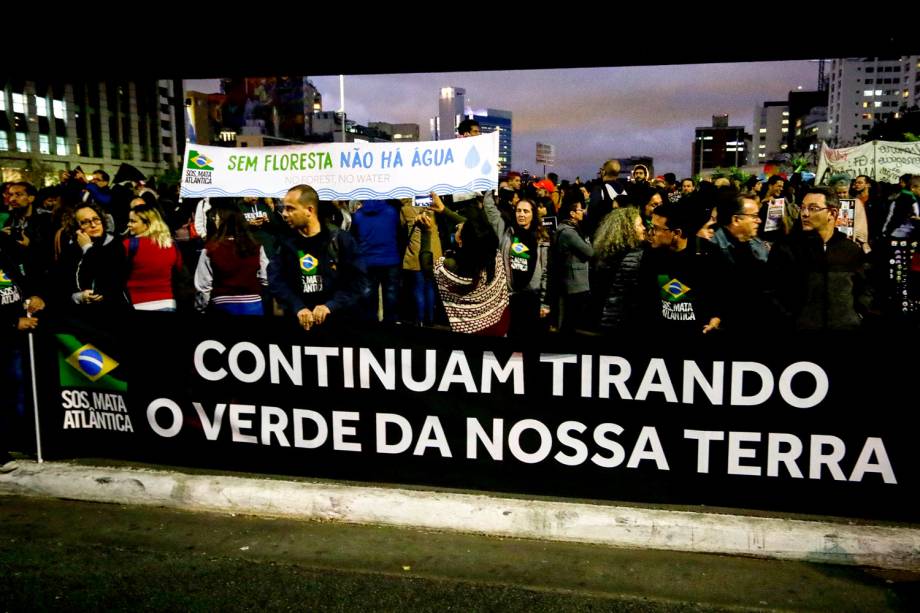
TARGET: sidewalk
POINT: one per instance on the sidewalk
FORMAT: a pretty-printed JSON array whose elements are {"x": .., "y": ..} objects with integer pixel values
[
  {"x": 68, "y": 555},
  {"x": 825, "y": 540}
]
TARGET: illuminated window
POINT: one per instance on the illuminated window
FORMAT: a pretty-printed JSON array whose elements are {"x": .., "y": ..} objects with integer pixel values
[
  {"x": 877, "y": 103},
  {"x": 784, "y": 130},
  {"x": 878, "y": 92},
  {"x": 60, "y": 109},
  {"x": 867, "y": 92},
  {"x": 763, "y": 130},
  {"x": 19, "y": 103},
  {"x": 44, "y": 144},
  {"x": 22, "y": 143},
  {"x": 761, "y": 146},
  {"x": 785, "y": 113},
  {"x": 41, "y": 106},
  {"x": 61, "y": 145},
  {"x": 4, "y": 142}
]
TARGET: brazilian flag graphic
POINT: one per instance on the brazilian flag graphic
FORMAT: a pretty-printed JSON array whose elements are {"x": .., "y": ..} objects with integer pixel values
[
  {"x": 4, "y": 279},
  {"x": 83, "y": 365},
  {"x": 519, "y": 249},
  {"x": 309, "y": 265},
  {"x": 199, "y": 161},
  {"x": 672, "y": 290}
]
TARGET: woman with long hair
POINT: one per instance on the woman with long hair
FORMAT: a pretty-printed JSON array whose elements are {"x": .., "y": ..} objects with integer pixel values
[
  {"x": 618, "y": 248},
  {"x": 524, "y": 247},
  {"x": 232, "y": 269},
  {"x": 153, "y": 259},
  {"x": 472, "y": 283}
]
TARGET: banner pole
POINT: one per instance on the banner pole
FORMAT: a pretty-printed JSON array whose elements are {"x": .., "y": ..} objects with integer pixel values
[{"x": 38, "y": 438}]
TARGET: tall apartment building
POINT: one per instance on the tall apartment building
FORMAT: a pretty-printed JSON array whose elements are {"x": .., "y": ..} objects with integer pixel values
[
  {"x": 398, "y": 132},
  {"x": 771, "y": 124},
  {"x": 865, "y": 90},
  {"x": 451, "y": 109},
  {"x": 47, "y": 126},
  {"x": 497, "y": 120}
]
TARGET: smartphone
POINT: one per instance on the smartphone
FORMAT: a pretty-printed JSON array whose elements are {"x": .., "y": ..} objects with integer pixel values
[{"x": 424, "y": 201}]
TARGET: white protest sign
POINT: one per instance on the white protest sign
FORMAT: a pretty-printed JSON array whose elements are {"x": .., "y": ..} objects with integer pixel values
[
  {"x": 344, "y": 171},
  {"x": 775, "y": 215},
  {"x": 881, "y": 160}
]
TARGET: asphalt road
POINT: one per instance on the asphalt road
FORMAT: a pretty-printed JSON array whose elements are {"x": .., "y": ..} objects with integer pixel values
[{"x": 76, "y": 556}]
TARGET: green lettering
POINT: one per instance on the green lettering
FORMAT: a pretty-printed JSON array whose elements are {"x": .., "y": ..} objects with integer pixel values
[{"x": 232, "y": 165}]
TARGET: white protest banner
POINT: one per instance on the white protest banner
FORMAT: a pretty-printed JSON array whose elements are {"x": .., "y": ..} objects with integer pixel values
[
  {"x": 881, "y": 160},
  {"x": 344, "y": 171},
  {"x": 852, "y": 161},
  {"x": 895, "y": 159}
]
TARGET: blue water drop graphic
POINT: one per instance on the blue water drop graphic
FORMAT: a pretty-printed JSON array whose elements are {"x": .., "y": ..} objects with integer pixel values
[
  {"x": 472, "y": 158},
  {"x": 486, "y": 167}
]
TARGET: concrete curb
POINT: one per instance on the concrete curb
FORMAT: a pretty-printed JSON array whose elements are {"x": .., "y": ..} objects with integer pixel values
[{"x": 813, "y": 541}]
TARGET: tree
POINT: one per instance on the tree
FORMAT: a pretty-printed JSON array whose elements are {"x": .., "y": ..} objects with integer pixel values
[{"x": 901, "y": 129}]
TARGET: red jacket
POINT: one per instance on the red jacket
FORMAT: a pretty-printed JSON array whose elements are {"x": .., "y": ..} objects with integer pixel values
[{"x": 150, "y": 270}]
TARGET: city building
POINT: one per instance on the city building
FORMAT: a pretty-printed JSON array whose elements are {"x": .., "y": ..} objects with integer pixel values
[
  {"x": 451, "y": 110},
  {"x": 398, "y": 132},
  {"x": 48, "y": 126},
  {"x": 803, "y": 104},
  {"x": 771, "y": 124},
  {"x": 811, "y": 130},
  {"x": 720, "y": 145},
  {"x": 865, "y": 90},
  {"x": 496, "y": 120}
]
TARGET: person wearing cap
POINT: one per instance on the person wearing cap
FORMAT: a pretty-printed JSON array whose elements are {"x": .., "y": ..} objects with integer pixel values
[{"x": 545, "y": 188}]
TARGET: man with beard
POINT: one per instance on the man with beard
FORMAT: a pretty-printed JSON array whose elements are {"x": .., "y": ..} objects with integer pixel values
[{"x": 30, "y": 228}]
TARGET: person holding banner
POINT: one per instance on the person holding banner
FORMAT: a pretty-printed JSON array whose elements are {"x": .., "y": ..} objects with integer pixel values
[
  {"x": 524, "y": 246},
  {"x": 317, "y": 272},
  {"x": 472, "y": 284},
  {"x": 16, "y": 310}
]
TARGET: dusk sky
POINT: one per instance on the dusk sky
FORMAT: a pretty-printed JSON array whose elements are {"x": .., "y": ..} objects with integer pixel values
[{"x": 590, "y": 115}]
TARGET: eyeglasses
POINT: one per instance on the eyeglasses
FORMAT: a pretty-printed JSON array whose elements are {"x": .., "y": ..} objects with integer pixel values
[
  {"x": 656, "y": 229},
  {"x": 747, "y": 214},
  {"x": 814, "y": 209},
  {"x": 90, "y": 222}
]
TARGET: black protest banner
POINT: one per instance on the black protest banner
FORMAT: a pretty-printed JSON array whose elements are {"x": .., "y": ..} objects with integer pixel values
[{"x": 802, "y": 424}]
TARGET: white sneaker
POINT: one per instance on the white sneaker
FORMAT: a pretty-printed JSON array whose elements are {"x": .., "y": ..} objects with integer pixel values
[{"x": 9, "y": 466}]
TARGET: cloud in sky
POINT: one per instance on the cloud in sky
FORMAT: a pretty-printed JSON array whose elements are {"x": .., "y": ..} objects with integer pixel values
[{"x": 589, "y": 114}]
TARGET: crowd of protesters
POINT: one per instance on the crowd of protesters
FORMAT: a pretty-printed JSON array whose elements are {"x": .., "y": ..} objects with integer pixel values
[{"x": 538, "y": 255}]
